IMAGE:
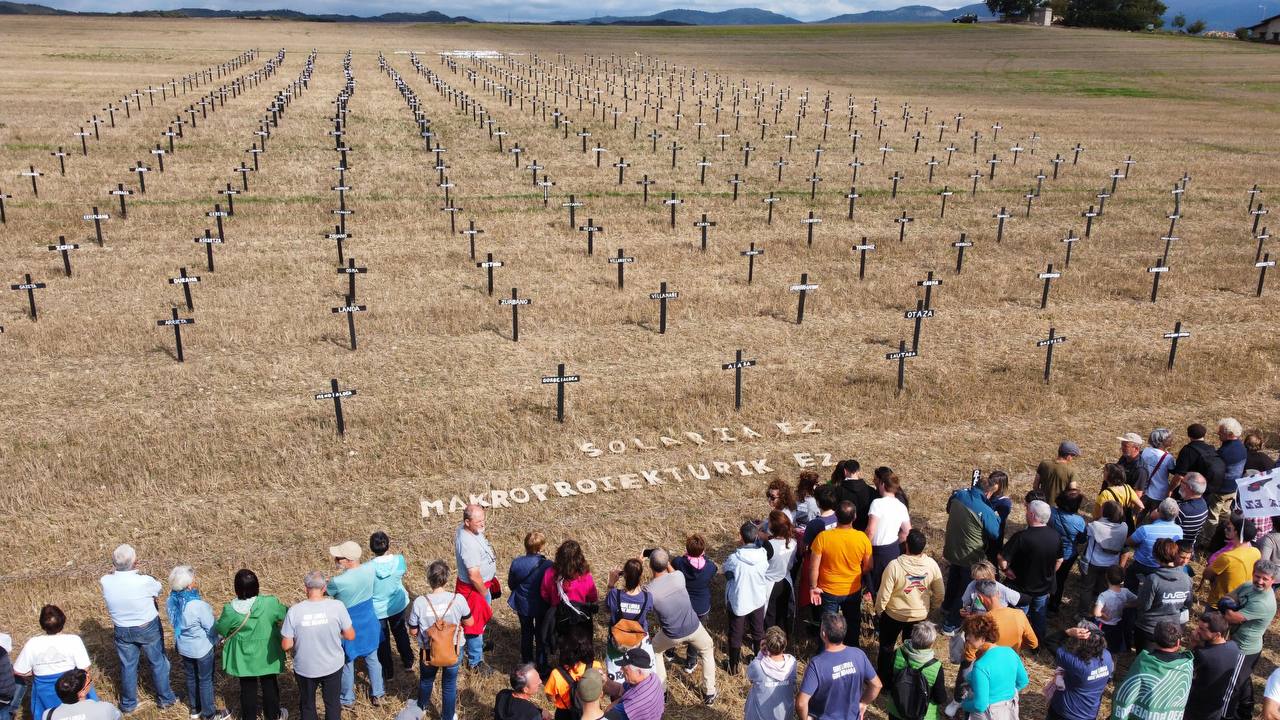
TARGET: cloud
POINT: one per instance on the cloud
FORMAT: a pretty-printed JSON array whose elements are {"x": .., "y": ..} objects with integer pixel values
[{"x": 501, "y": 10}]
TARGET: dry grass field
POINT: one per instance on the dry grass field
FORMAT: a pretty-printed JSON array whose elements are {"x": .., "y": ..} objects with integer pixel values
[{"x": 226, "y": 461}]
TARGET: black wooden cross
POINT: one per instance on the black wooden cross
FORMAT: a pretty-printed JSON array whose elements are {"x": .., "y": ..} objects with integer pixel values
[
  {"x": 244, "y": 171},
  {"x": 1102, "y": 201},
  {"x": 533, "y": 168},
  {"x": 64, "y": 248},
  {"x": 185, "y": 281},
  {"x": 350, "y": 308},
  {"x": 1253, "y": 192},
  {"x": 975, "y": 177},
  {"x": 1057, "y": 163},
  {"x": 515, "y": 301},
  {"x": 1030, "y": 197},
  {"x": 803, "y": 287},
  {"x": 176, "y": 323},
  {"x": 62, "y": 162},
  {"x": 121, "y": 193},
  {"x": 622, "y": 165},
  {"x": 336, "y": 395},
  {"x": 736, "y": 366},
  {"x": 453, "y": 211},
  {"x": 1173, "y": 338},
  {"x": 1257, "y": 214},
  {"x": 902, "y": 221},
  {"x": 1160, "y": 268},
  {"x": 1262, "y": 238},
  {"x": 559, "y": 380},
  {"x": 1088, "y": 216},
  {"x": 622, "y": 260},
  {"x": 960, "y": 245},
  {"x": 781, "y": 163},
  {"x": 32, "y": 173},
  {"x": 769, "y": 202},
  {"x": 1077, "y": 150},
  {"x": 351, "y": 271},
  {"x": 644, "y": 184},
  {"x": 159, "y": 154},
  {"x": 673, "y": 202},
  {"x": 31, "y": 288},
  {"x": 1116, "y": 177},
  {"x": 862, "y": 249},
  {"x": 918, "y": 315},
  {"x": 546, "y": 183},
  {"x": 230, "y": 193},
  {"x": 97, "y": 219},
  {"x": 141, "y": 171},
  {"x": 217, "y": 214},
  {"x": 1070, "y": 240},
  {"x": 746, "y": 154},
  {"x": 809, "y": 222},
  {"x": 84, "y": 141},
  {"x": 703, "y": 225},
  {"x": 489, "y": 264},
  {"x": 884, "y": 153},
  {"x": 896, "y": 178},
  {"x": 573, "y": 204},
  {"x": 591, "y": 229},
  {"x": 901, "y": 356},
  {"x": 3, "y": 217},
  {"x": 1048, "y": 344},
  {"x": 928, "y": 283},
  {"x": 854, "y": 165},
  {"x": 662, "y": 296},
  {"x": 208, "y": 241},
  {"x": 1016, "y": 150},
  {"x": 932, "y": 164},
  {"x": 1262, "y": 266},
  {"x": 1040, "y": 178},
  {"x": 944, "y": 194},
  {"x": 1047, "y": 276}
]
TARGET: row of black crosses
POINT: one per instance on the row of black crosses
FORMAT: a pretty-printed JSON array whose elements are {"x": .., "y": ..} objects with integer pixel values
[
  {"x": 922, "y": 310},
  {"x": 64, "y": 248},
  {"x": 131, "y": 104}
]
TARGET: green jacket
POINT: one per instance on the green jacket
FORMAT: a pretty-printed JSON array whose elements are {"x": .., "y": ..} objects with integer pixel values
[
  {"x": 1154, "y": 688},
  {"x": 933, "y": 675},
  {"x": 253, "y": 650}
]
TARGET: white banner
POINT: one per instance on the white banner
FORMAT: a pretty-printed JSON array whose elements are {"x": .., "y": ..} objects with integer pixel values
[{"x": 1260, "y": 495}]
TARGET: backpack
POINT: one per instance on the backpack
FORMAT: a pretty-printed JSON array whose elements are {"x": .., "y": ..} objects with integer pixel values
[
  {"x": 910, "y": 690},
  {"x": 1215, "y": 471},
  {"x": 570, "y": 613},
  {"x": 575, "y": 705},
  {"x": 442, "y": 639}
]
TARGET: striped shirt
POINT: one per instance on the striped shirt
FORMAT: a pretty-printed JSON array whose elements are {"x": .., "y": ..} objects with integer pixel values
[{"x": 1192, "y": 515}]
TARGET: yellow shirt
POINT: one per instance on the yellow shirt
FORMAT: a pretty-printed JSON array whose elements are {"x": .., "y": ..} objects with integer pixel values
[
  {"x": 1123, "y": 495},
  {"x": 1232, "y": 569},
  {"x": 557, "y": 688},
  {"x": 842, "y": 551}
]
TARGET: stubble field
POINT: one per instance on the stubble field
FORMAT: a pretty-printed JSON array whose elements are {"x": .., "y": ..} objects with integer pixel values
[{"x": 226, "y": 460}]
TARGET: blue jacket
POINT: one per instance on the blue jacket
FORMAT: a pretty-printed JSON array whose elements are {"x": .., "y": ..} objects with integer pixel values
[
  {"x": 697, "y": 583},
  {"x": 524, "y": 581},
  {"x": 970, "y": 524}
]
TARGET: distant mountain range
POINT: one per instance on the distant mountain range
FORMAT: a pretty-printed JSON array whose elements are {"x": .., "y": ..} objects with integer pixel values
[
  {"x": 431, "y": 16},
  {"x": 1219, "y": 15}
]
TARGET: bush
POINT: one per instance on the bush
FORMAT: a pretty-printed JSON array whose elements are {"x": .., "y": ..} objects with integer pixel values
[
  {"x": 1243, "y": 33},
  {"x": 1196, "y": 27}
]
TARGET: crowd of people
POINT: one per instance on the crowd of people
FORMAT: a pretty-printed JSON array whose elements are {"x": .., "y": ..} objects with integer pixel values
[{"x": 838, "y": 561}]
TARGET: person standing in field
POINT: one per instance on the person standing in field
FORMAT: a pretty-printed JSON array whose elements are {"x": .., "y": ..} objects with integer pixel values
[
  {"x": 353, "y": 587},
  {"x": 1066, "y": 520},
  {"x": 193, "y": 636},
  {"x": 678, "y": 624},
  {"x": 887, "y": 527},
  {"x": 1201, "y": 457},
  {"x": 524, "y": 583},
  {"x": 1136, "y": 474},
  {"x": 1163, "y": 595},
  {"x": 1085, "y": 668},
  {"x": 477, "y": 568},
  {"x": 1054, "y": 476},
  {"x": 1030, "y": 561},
  {"x": 746, "y": 593},
  {"x": 782, "y": 540},
  {"x": 841, "y": 557},
  {"x": 1216, "y": 668},
  {"x": 772, "y": 674},
  {"x": 1158, "y": 681},
  {"x": 314, "y": 630},
  {"x": 1193, "y": 511},
  {"x": 909, "y": 589},
  {"x": 1254, "y": 609},
  {"x": 997, "y": 675},
  {"x": 250, "y": 630},
  {"x": 439, "y": 608},
  {"x": 851, "y": 487},
  {"x": 516, "y": 701},
  {"x": 698, "y": 571},
  {"x": 390, "y": 602},
  {"x": 1158, "y": 462},
  {"x": 839, "y": 683},
  {"x": 44, "y": 658},
  {"x": 971, "y": 524},
  {"x": 131, "y": 601}
]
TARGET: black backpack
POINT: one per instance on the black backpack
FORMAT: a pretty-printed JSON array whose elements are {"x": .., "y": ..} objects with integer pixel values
[
  {"x": 575, "y": 704},
  {"x": 1215, "y": 471},
  {"x": 910, "y": 691}
]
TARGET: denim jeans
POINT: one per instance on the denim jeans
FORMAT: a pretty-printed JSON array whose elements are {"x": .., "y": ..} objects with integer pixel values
[
  {"x": 532, "y": 648},
  {"x": 851, "y": 607},
  {"x": 200, "y": 684},
  {"x": 448, "y": 688},
  {"x": 376, "y": 685},
  {"x": 10, "y": 709},
  {"x": 1035, "y": 609},
  {"x": 131, "y": 644},
  {"x": 474, "y": 649}
]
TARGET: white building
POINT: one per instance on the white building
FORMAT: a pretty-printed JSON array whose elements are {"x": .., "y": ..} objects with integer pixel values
[{"x": 1268, "y": 30}]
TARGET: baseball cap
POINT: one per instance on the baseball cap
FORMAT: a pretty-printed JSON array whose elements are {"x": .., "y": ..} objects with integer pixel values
[
  {"x": 1068, "y": 448},
  {"x": 348, "y": 550},
  {"x": 1134, "y": 438},
  {"x": 590, "y": 686},
  {"x": 636, "y": 658}
]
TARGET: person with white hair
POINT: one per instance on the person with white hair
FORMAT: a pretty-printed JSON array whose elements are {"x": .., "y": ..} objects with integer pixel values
[
  {"x": 1158, "y": 461},
  {"x": 1193, "y": 511},
  {"x": 1030, "y": 561},
  {"x": 131, "y": 602},
  {"x": 193, "y": 635},
  {"x": 314, "y": 630}
]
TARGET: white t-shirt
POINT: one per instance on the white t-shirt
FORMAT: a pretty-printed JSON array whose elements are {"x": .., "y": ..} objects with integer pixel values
[
  {"x": 52, "y": 655},
  {"x": 1273, "y": 686},
  {"x": 890, "y": 514},
  {"x": 1113, "y": 604}
]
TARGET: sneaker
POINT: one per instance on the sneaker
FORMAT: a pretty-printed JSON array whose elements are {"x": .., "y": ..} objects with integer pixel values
[
  {"x": 375, "y": 701},
  {"x": 670, "y": 655},
  {"x": 949, "y": 631},
  {"x": 284, "y": 714},
  {"x": 484, "y": 669},
  {"x": 223, "y": 714},
  {"x": 709, "y": 699},
  {"x": 691, "y": 665},
  {"x": 195, "y": 716}
]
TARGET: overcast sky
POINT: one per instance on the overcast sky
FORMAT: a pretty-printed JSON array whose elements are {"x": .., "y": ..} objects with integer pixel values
[{"x": 508, "y": 9}]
